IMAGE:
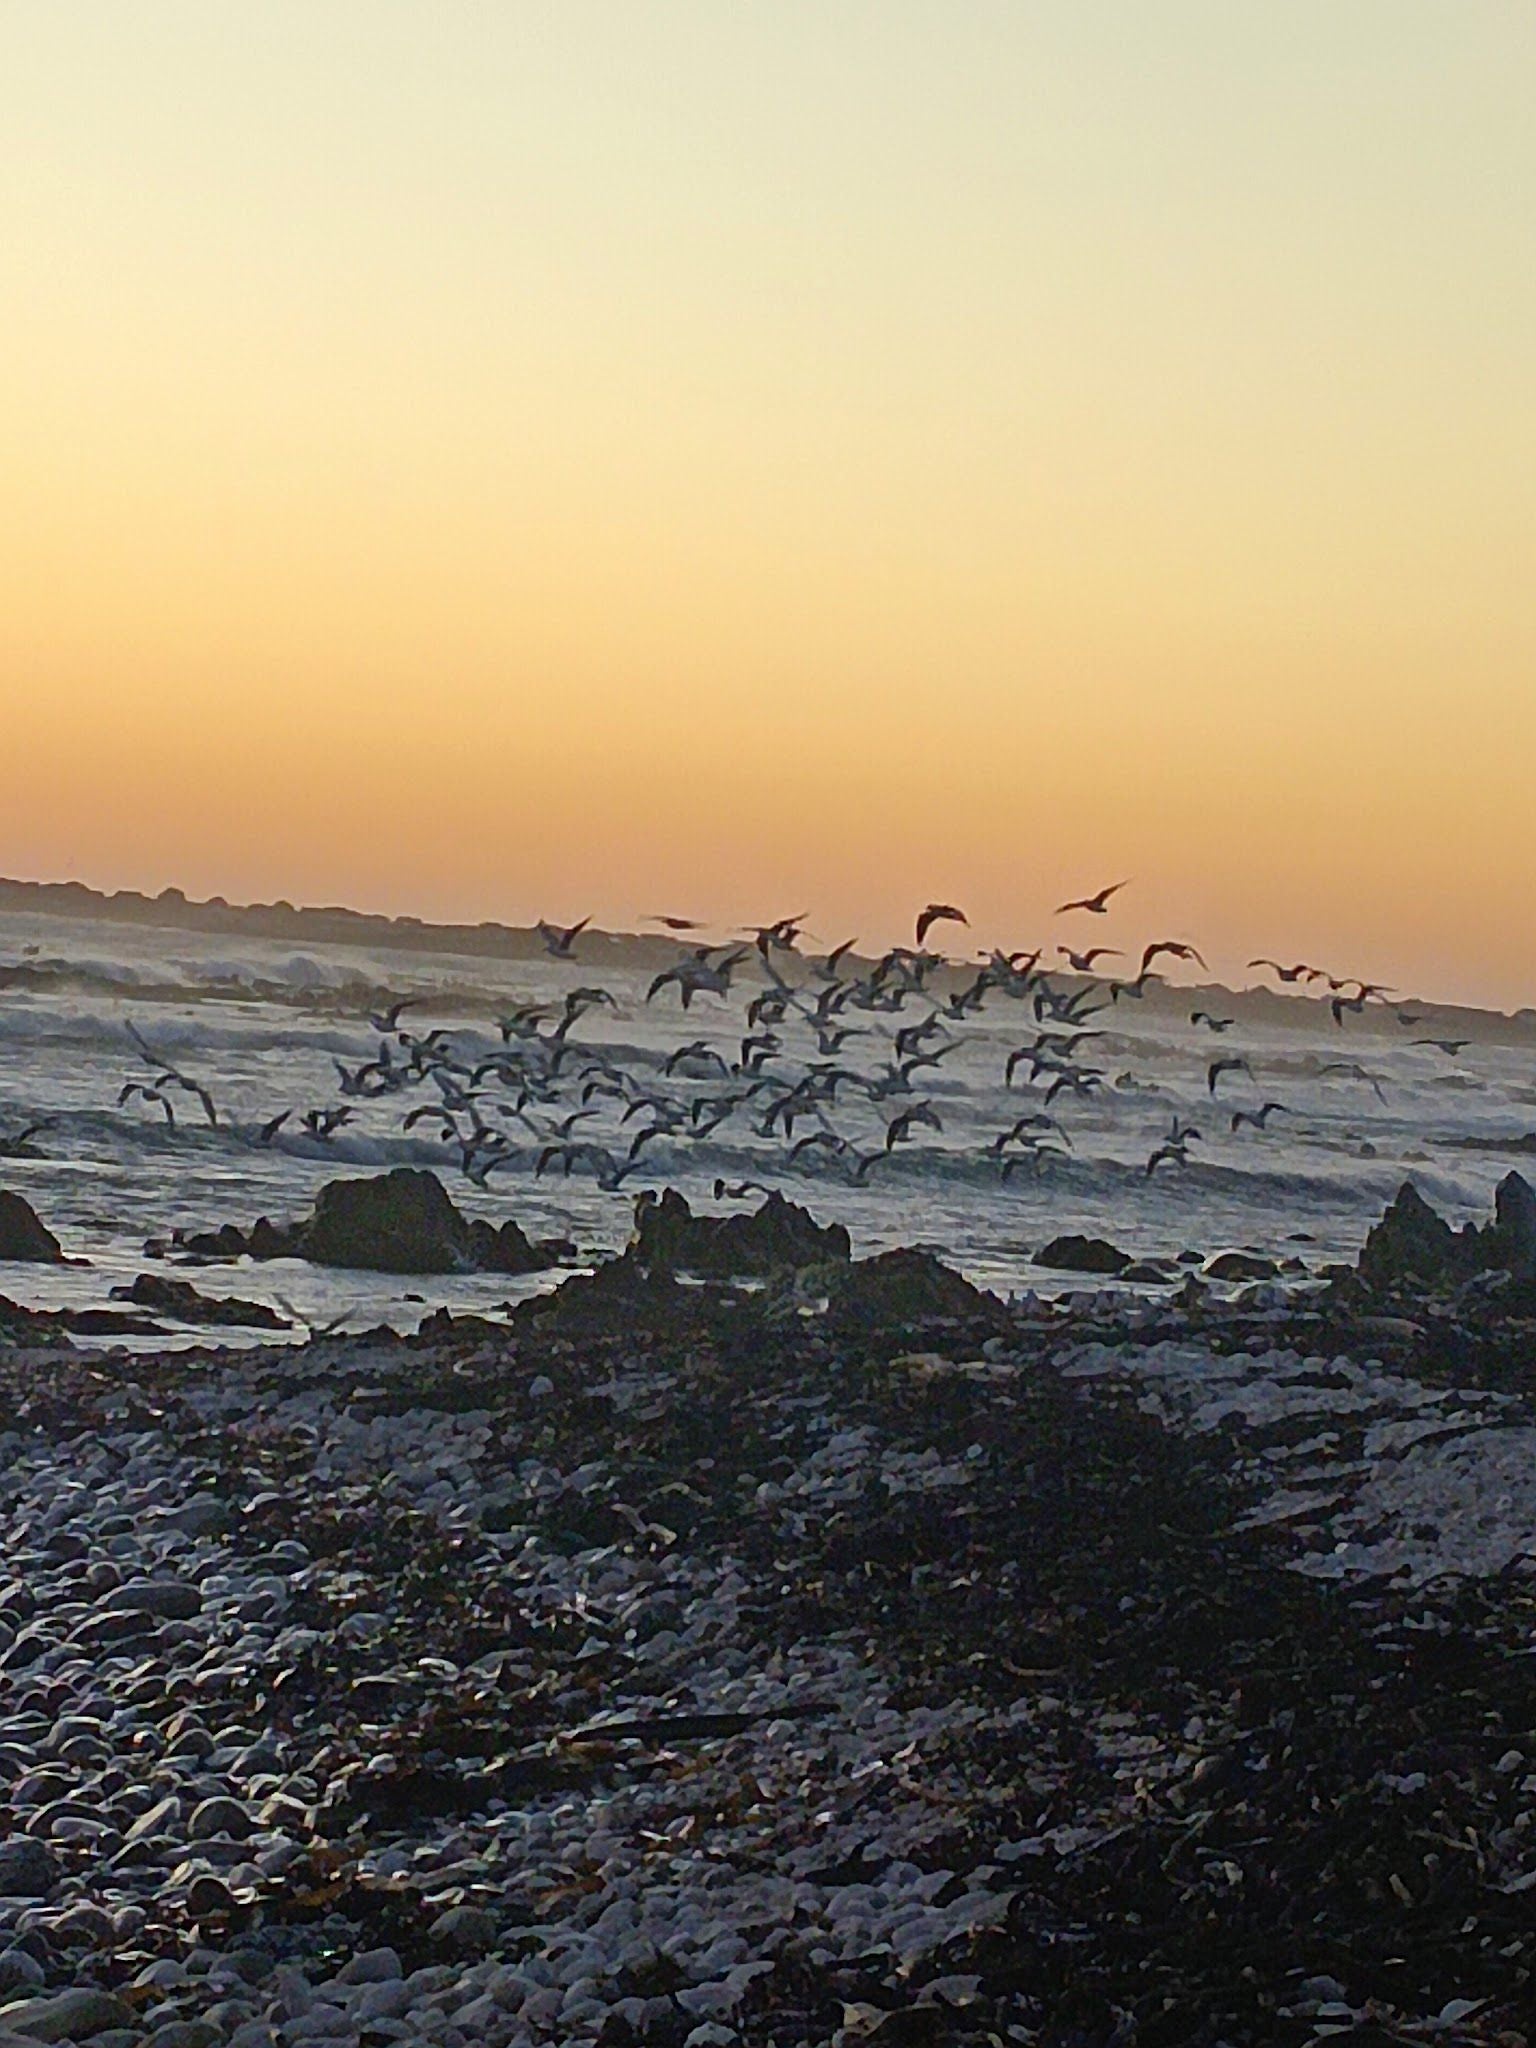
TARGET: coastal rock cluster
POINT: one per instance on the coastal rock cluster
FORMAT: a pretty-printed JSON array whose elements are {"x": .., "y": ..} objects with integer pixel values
[
  {"x": 403, "y": 1221},
  {"x": 1414, "y": 1246}
]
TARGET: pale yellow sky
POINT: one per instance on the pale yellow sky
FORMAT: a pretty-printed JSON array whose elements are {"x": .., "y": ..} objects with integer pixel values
[{"x": 501, "y": 460}]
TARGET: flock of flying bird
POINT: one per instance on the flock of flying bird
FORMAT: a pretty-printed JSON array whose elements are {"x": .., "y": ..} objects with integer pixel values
[{"x": 834, "y": 1066}]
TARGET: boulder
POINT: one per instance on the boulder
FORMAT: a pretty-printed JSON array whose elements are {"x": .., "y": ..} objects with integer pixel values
[
  {"x": 778, "y": 1236},
  {"x": 72, "y": 2015},
  {"x": 23, "y": 1234},
  {"x": 1239, "y": 1266},
  {"x": 397, "y": 1222},
  {"x": 269, "y": 1240},
  {"x": 1071, "y": 1254}
]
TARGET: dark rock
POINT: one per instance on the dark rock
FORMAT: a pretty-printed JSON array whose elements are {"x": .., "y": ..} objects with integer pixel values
[
  {"x": 23, "y": 1234},
  {"x": 169, "y": 1599},
  {"x": 269, "y": 1240},
  {"x": 20, "y": 1325},
  {"x": 505, "y": 1248},
  {"x": 1072, "y": 1254},
  {"x": 179, "y": 1298},
  {"x": 900, "y": 1288},
  {"x": 28, "y": 1869},
  {"x": 1412, "y": 1243},
  {"x": 1239, "y": 1266},
  {"x": 1149, "y": 1272},
  {"x": 1510, "y": 1240},
  {"x": 402, "y": 1221},
  {"x": 778, "y": 1236},
  {"x": 621, "y": 1297}
]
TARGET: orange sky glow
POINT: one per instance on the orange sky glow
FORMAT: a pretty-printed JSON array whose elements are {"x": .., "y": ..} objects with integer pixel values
[{"x": 517, "y": 460}]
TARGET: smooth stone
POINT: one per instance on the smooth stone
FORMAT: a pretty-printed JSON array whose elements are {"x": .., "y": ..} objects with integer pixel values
[
  {"x": 320, "y": 2023},
  {"x": 204, "y": 1516},
  {"x": 382, "y": 2001},
  {"x": 73, "y": 2015},
  {"x": 208, "y": 1898},
  {"x": 371, "y": 1966},
  {"x": 465, "y": 1927},
  {"x": 184, "y": 2034},
  {"x": 169, "y": 1599},
  {"x": 160, "y": 1819},
  {"x": 28, "y": 1870},
  {"x": 218, "y": 1816}
]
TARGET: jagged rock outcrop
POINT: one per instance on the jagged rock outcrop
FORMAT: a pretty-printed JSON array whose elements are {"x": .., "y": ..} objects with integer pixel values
[
  {"x": 669, "y": 1238},
  {"x": 1412, "y": 1245},
  {"x": 23, "y": 1234}
]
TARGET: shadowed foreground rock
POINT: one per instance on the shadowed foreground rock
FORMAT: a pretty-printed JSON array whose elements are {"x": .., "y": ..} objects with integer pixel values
[
  {"x": 23, "y": 1234},
  {"x": 900, "y": 1289}
]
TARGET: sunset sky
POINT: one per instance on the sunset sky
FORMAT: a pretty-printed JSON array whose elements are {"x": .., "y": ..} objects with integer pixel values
[{"x": 487, "y": 459}]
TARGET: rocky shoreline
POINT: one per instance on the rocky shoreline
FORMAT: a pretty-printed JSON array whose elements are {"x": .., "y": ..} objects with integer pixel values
[
  {"x": 855, "y": 1657},
  {"x": 760, "y": 1674}
]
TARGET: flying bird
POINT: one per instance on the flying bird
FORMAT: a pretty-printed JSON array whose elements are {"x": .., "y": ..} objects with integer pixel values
[
  {"x": 559, "y": 939},
  {"x": 388, "y": 1019},
  {"x": 1082, "y": 963},
  {"x": 1174, "y": 948},
  {"x": 1098, "y": 903},
  {"x": 1355, "y": 1072},
  {"x": 1229, "y": 1063},
  {"x": 929, "y": 917},
  {"x": 1301, "y": 971},
  {"x": 1259, "y": 1117},
  {"x": 899, "y": 1129}
]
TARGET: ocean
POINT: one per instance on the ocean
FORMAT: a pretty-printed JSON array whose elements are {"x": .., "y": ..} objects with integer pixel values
[{"x": 266, "y": 1026}]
